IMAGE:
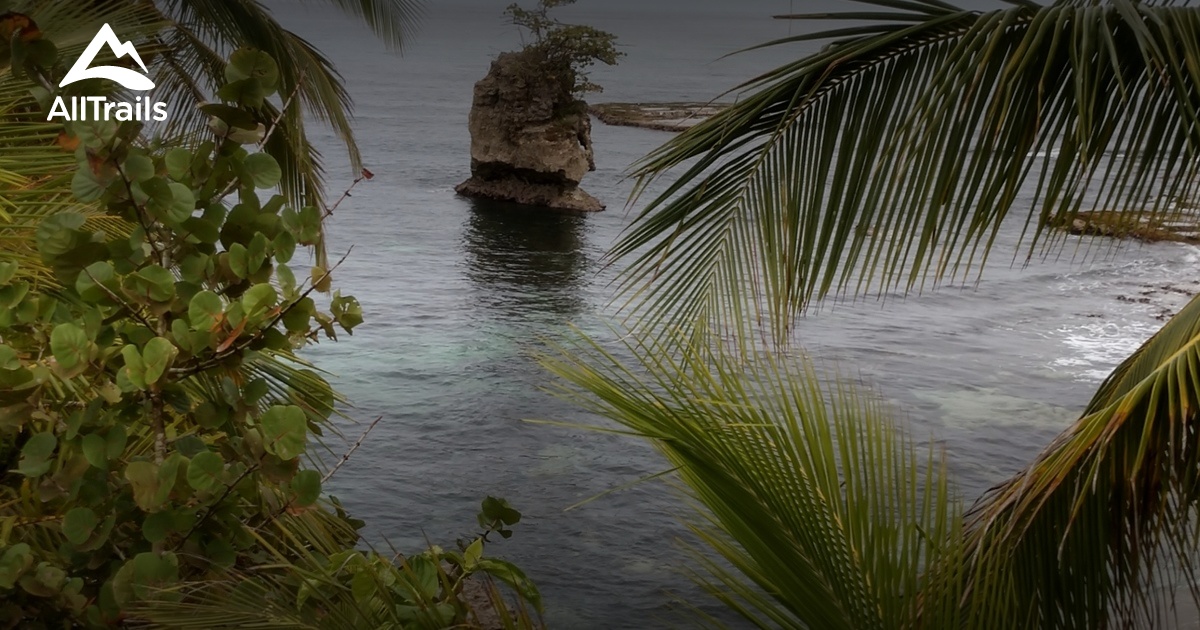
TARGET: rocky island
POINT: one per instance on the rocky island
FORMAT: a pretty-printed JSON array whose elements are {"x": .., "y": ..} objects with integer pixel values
[
  {"x": 531, "y": 136},
  {"x": 530, "y": 139}
]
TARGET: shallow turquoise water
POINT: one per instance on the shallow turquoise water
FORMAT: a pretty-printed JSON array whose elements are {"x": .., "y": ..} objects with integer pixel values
[{"x": 456, "y": 294}]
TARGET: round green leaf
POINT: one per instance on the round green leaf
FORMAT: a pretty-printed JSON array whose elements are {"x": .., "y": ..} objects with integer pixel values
[
  {"x": 134, "y": 370},
  {"x": 206, "y": 472},
  {"x": 70, "y": 345},
  {"x": 138, "y": 168},
  {"x": 263, "y": 169},
  {"x": 248, "y": 63},
  {"x": 143, "y": 478},
  {"x": 36, "y": 454},
  {"x": 156, "y": 527},
  {"x": 86, "y": 186},
  {"x": 59, "y": 234},
  {"x": 183, "y": 203},
  {"x": 78, "y": 525},
  {"x": 92, "y": 281},
  {"x": 307, "y": 486},
  {"x": 284, "y": 431},
  {"x": 239, "y": 260},
  {"x": 157, "y": 357},
  {"x": 95, "y": 450},
  {"x": 285, "y": 246},
  {"x": 156, "y": 283},
  {"x": 258, "y": 300},
  {"x": 179, "y": 162}
]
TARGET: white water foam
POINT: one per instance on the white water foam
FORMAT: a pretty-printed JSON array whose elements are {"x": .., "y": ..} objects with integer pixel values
[{"x": 1144, "y": 294}]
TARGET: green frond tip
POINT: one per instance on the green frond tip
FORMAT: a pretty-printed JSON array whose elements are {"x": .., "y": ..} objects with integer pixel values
[
  {"x": 393, "y": 21},
  {"x": 1100, "y": 530},
  {"x": 890, "y": 160},
  {"x": 822, "y": 508}
]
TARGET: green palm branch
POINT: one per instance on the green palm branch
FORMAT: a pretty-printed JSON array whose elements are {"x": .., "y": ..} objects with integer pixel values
[
  {"x": 889, "y": 159},
  {"x": 823, "y": 510},
  {"x": 193, "y": 66},
  {"x": 1102, "y": 525}
]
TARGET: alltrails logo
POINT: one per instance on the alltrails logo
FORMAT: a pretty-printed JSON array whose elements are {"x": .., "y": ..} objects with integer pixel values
[{"x": 99, "y": 107}]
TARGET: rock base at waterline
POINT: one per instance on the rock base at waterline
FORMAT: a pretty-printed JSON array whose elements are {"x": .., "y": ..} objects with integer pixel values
[{"x": 546, "y": 195}]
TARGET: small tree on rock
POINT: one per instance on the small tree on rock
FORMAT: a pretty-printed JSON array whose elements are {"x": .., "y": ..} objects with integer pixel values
[{"x": 564, "y": 51}]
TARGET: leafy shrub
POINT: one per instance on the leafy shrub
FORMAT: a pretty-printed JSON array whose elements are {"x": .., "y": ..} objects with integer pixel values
[
  {"x": 154, "y": 417},
  {"x": 564, "y": 51}
]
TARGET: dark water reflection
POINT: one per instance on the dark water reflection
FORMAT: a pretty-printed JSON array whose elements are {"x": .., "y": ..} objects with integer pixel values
[{"x": 521, "y": 259}]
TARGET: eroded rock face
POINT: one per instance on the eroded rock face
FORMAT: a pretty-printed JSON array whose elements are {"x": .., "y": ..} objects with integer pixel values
[{"x": 530, "y": 139}]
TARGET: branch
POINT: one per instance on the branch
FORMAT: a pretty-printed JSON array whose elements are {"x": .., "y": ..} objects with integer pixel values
[
  {"x": 366, "y": 174},
  {"x": 213, "y": 507},
  {"x": 266, "y": 136},
  {"x": 346, "y": 457},
  {"x": 216, "y": 359}
]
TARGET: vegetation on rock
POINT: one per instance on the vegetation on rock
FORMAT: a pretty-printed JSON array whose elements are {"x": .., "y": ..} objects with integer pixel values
[
  {"x": 530, "y": 132},
  {"x": 561, "y": 51}
]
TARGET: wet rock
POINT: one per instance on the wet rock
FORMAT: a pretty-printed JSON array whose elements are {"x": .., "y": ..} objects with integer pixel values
[
  {"x": 658, "y": 116},
  {"x": 1177, "y": 227},
  {"x": 530, "y": 139}
]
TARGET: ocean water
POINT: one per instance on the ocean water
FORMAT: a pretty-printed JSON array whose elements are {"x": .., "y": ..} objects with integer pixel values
[{"x": 457, "y": 294}]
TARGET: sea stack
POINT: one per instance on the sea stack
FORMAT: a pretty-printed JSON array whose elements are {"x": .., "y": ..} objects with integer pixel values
[{"x": 530, "y": 138}]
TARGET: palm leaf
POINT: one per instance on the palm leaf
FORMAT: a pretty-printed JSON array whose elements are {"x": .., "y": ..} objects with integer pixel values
[
  {"x": 833, "y": 512},
  {"x": 889, "y": 159},
  {"x": 1099, "y": 531}
]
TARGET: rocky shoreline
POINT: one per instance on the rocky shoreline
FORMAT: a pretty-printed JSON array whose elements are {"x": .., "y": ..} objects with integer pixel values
[
  {"x": 1176, "y": 227},
  {"x": 658, "y": 116}
]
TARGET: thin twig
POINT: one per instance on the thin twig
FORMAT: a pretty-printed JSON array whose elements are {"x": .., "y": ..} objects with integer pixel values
[
  {"x": 346, "y": 457},
  {"x": 267, "y": 135},
  {"x": 213, "y": 507},
  {"x": 283, "y": 109},
  {"x": 132, "y": 311},
  {"x": 216, "y": 359},
  {"x": 137, "y": 210},
  {"x": 366, "y": 174}
]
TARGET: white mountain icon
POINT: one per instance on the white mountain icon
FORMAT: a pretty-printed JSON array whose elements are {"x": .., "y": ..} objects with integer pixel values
[{"x": 126, "y": 77}]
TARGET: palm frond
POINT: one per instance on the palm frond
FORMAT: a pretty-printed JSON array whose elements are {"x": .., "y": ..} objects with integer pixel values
[
  {"x": 393, "y": 21},
  {"x": 833, "y": 512},
  {"x": 1100, "y": 530},
  {"x": 37, "y": 161},
  {"x": 208, "y": 30},
  {"x": 889, "y": 159}
]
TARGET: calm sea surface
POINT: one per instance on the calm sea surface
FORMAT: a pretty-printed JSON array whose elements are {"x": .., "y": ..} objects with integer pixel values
[{"x": 456, "y": 294}]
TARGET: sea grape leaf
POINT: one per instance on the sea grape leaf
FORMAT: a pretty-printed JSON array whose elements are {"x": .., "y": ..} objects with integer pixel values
[
  {"x": 138, "y": 167},
  {"x": 284, "y": 431},
  {"x": 70, "y": 345},
  {"x": 96, "y": 282},
  {"x": 78, "y": 524},
  {"x": 263, "y": 169},
  {"x": 249, "y": 63},
  {"x": 206, "y": 472},
  {"x": 36, "y": 454},
  {"x": 347, "y": 311},
  {"x": 307, "y": 486},
  {"x": 135, "y": 369},
  {"x": 156, "y": 358},
  {"x": 143, "y": 478},
  {"x": 179, "y": 162}
]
